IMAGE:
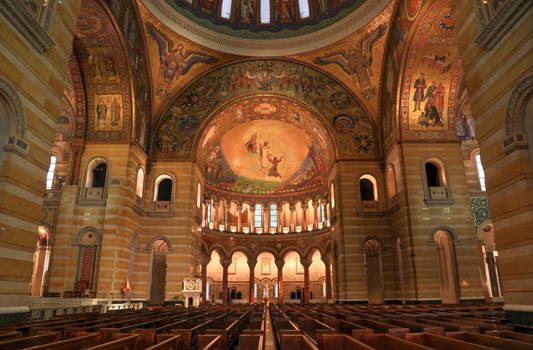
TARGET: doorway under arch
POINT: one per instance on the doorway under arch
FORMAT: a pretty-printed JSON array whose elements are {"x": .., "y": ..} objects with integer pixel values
[
  {"x": 159, "y": 271},
  {"x": 449, "y": 287}
]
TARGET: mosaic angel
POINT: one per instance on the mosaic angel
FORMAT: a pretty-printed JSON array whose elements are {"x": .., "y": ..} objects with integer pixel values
[
  {"x": 357, "y": 61},
  {"x": 173, "y": 61}
]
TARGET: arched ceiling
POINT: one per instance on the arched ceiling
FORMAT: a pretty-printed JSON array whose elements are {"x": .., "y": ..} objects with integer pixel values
[
  {"x": 265, "y": 144},
  {"x": 286, "y": 33},
  {"x": 178, "y": 130}
]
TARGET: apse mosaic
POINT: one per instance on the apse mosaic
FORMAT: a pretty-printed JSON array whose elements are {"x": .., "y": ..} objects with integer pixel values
[
  {"x": 105, "y": 73},
  {"x": 176, "y": 132},
  {"x": 125, "y": 14},
  {"x": 432, "y": 76},
  {"x": 252, "y": 19},
  {"x": 265, "y": 144}
]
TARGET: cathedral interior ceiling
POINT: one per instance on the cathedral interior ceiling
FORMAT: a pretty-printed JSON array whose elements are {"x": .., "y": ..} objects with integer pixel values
[
  {"x": 352, "y": 128},
  {"x": 343, "y": 81},
  {"x": 246, "y": 21}
]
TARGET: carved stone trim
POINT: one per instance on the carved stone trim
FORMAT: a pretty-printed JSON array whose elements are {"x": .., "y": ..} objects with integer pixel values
[
  {"x": 6, "y": 87},
  {"x": 21, "y": 18},
  {"x": 495, "y": 28},
  {"x": 510, "y": 113}
]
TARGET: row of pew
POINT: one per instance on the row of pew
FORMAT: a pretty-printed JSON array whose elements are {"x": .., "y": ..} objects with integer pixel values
[
  {"x": 207, "y": 328},
  {"x": 395, "y": 327}
]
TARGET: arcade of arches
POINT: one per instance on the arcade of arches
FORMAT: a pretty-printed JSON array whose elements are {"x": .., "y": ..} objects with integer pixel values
[{"x": 224, "y": 151}]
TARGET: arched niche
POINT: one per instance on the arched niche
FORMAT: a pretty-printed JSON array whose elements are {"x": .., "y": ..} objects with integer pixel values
[
  {"x": 447, "y": 264},
  {"x": 158, "y": 268},
  {"x": 374, "y": 271}
]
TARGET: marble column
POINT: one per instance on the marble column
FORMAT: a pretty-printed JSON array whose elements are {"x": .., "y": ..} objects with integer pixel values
[
  {"x": 225, "y": 262},
  {"x": 205, "y": 261},
  {"x": 215, "y": 209},
  {"x": 279, "y": 265},
  {"x": 292, "y": 219},
  {"x": 306, "y": 262},
  {"x": 251, "y": 265},
  {"x": 279, "y": 226},
  {"x": 327, "y": 263},
  {"x": 239, "y": 216},
  {"x": 315, "y": 216},
  {"x": 304, "y": 218}
]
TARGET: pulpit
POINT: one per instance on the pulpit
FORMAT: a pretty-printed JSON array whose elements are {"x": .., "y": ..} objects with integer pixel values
[{"x": 192, "y": 291}]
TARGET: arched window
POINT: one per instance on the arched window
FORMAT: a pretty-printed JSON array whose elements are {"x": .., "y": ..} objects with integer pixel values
[
  {"x": 303, "y": 6},
  {"x": 164, "y": 191},
  {"x": 50, "y": 175},
  {"x": 432, "y": 175},
  {"x": 258, "y": 215},
  {"x": 436, "y": 189},
  {"x": 391, "y": 182},
  {"x": 99, "y": 173},
  {"x": 225, "y": 9},
  {"x": 210, "y": 211},
  {"x": 265, "y": 11},
  {"x": 368, "y": 188},
  {"x": 198, "y": 195},
  {"x": 332, "y": 194},
  {"x": 163, "y": 188},
  {"x": 140, "y": 183},
  {"x": 273, "y": 215},
  {"x": 480, "y": 172},
  {"x": 322, "y": 210}
]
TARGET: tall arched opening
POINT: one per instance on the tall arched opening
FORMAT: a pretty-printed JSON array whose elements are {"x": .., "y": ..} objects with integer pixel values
[
  {"x": 445, "y": 249},
  {"x": 41, "y": 262},
  {"x": 374, "y": 271},
  {"x": 159, "y": 271}
]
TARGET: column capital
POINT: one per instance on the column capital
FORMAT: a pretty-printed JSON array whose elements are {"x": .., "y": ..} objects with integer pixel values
[
  {"x": 315, "y": 205},
  {"x": 226, "y": 262},
  {"x": 279, "y": 263},
  {"x": 304, "y": 206},
  {"x": 252, "y": 263},
  {"x": 205, "y": 260},
  {"x": 292, "y": 207},
  {"x": 326, "y": 259},
  {"x": 306, "y": 262}
]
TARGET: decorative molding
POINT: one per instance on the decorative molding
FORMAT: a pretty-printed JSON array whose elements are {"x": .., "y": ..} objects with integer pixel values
[
  {"x": 17, "y": 145},
  {"x": 497, "y": 26},
  {"x": 480, "y": 210},
  {"x": 8, "y": 89},
  {"x": 265, "y": 47},
  {"x": 36, "y": 33},
  {"x": 514, "y": 103}
]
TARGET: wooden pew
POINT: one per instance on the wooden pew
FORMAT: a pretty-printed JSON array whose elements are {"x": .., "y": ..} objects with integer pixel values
[
  {"x": 449, "y": 326},
  {"x": 490, "y": 341},
  {"x": 381, "y": 327},
  {"x": 255, "y": 326},
  {"x": 527, "y": 338},
  {"x": 251, "y": 342},
  {"x": 349, "y": 328},
  {"x": 439, "y": 342},
  {"x": 284, "y": 326},
  {"x": 166, "y": 342},
  {"x": 342, "y": 342},
  {"x": 189, "y": 332},
  {"x": 296, "y": 341},
  {"x": 415, "y": 327},
  {"x": 20, "y": 343},
  {"x": 314, "y": 329},
  {"x": 10, "y": 335},
  {"x": 389, "y": 342},
  {"x": 483, "y": 324},
  {"x": 148, "y": 335},
  {"x": 126, "y": 343},
  {"x": 210, "y": 342},
  {"x": 82, "y": 342},
  {"x": 228, "y": 329},
  {"x": 107, "y": 332}
]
